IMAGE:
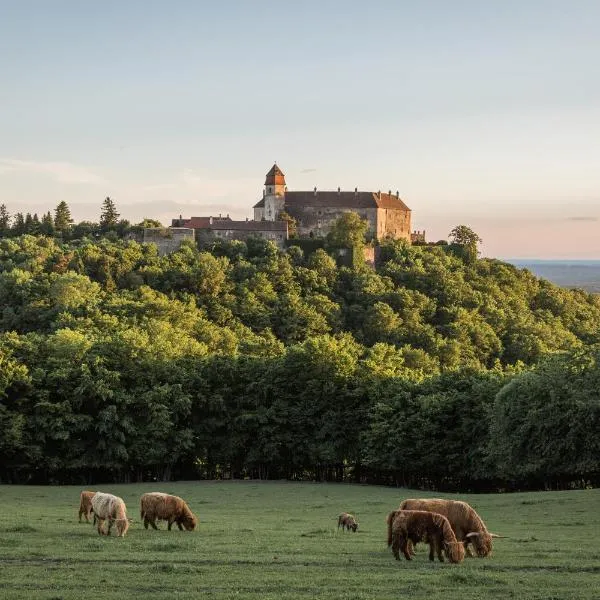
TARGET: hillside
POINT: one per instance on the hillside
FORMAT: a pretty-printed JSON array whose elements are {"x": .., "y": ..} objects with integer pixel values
[{"x": 246, "y": 360}]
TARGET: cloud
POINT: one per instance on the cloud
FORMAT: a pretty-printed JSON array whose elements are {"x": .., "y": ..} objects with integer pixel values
[
  {"x": 63, "y": 172},
  {"x": 307, "y": 170},
  {"x": 192, "y": 187},
  {"x": 588, "y": 219}
]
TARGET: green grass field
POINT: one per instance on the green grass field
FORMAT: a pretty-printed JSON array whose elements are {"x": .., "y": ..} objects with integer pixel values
[{"x": 279, "y": 540}]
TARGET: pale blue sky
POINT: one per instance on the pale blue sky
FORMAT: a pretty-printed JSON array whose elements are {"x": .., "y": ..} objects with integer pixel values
[{"x": 479, "y": 112}]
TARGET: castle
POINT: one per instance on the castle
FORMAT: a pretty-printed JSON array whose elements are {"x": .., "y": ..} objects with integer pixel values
[{"x": 315, "y": 211}]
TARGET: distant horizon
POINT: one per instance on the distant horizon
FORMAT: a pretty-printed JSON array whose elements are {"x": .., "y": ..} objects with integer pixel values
[{"x": 550, "y": 260}]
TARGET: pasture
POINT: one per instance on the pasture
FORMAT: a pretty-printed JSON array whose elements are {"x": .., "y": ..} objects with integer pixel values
[{"x": 279, "y": 540}]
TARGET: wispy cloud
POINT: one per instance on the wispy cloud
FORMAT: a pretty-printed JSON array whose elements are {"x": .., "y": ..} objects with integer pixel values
[
  {"x": 63, "y": 172},
  {"x": 582, "y": 218},
  {"x": 193, "y": 186}
]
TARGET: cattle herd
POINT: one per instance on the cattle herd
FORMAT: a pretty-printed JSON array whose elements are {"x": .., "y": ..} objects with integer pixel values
[{"x": 448, "y": 526}]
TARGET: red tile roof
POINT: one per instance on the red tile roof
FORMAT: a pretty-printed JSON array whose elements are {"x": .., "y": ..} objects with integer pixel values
[{"x": 275, "y": 176}]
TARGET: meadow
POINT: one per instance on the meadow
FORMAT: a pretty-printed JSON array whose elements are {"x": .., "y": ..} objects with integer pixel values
[{"x": 279, "y": 540}]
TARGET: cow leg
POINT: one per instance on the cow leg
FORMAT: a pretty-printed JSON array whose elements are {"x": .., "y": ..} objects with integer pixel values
[
  {"x": 170, "y": 523},
  {"x": 468, "y": 550},
  {"x": 145, "y": 523},
  {"x": 438, "y": 547},
  {"x": 100, "y": 528},
  {"x": 153, "y": 523},
  {"x": 110, "y": 522},
  {"x": 411, "y": 548},
  {"x": 396, "y": 546},
  {"x": 180, "y": 526}
]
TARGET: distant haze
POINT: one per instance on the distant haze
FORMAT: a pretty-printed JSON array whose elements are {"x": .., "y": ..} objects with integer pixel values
[
  {"x": 478, "y": 113},
  {"x": 584, "y": 274}
]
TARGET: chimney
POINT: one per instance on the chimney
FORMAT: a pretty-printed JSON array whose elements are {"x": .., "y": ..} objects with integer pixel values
[
  {"x": 219, "y": 215},
  {"x": 210, "y": 220},
  {"x": 338, "y": 190},
  {"x": 246, "y": 219},
  {"x": 315, "y": 191},
  {"x": 180, "y": 218},
  {"x": 356, "y": 192},
  {"x": 397, "y": 194},
  {"x": 379, "y": 194},
  {"x": 389, "y": 192},
  {"x": 264, "y": 193}
]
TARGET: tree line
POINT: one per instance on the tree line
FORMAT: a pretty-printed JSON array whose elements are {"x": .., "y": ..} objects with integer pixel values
[
  {"x": 437, "y": 369},
  {"x": 59, "y": 223}
]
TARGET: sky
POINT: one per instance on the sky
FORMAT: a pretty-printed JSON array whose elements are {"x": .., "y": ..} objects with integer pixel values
[{"x": 479, "y": 113}]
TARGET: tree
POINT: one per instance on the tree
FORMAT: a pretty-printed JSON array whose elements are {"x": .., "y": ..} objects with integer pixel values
[
  {"x": 109, "y": 217},
  {"x": 292, "y": 225},
  {"x": 464, "y": 243},
  {"x": 148, "y": 223},
  {"x": 18, "y": 227},
  {"x": 4, "y": 221},
  {"x": 62, "y": 218},
  {"x": 464, "y": 236},
  {"x": 47, "y": 225},
  {"x": 348, "y": 231}
]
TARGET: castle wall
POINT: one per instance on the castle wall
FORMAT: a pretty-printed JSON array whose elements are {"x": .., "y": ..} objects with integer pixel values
[
  {"x": 278, "y": 237},
  {"x": 167, "y": 239},
  {"x": 273, "y": 207},
  {"x": 393, "y": 223},
  {"x": 319, "y": 220}
]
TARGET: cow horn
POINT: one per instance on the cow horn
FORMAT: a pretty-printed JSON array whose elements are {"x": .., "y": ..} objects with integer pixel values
[{"x": 472, "y": 534}]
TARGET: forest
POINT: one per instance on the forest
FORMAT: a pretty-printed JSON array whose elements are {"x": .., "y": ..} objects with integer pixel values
[{"x": 437, "y": 369}]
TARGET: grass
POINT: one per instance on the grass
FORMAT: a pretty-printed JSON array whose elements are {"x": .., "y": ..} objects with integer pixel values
[{"x": 279, "y": 540}]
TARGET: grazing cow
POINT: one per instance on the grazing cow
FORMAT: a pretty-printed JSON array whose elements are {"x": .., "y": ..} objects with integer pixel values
[
  {"x": 156, "y": 505},
  {"x": 464, "y": 520},
  {"x": 85, "y": 505},
  {"x": 347, "y": 522},
  {"x": 414, "y": 526},
  {"x": 110, "y": 508}
]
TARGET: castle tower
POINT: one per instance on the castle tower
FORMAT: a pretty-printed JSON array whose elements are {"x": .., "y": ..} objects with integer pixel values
[{"x": 274, "y": 194}]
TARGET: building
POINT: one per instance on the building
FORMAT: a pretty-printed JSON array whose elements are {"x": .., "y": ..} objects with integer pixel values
[
  {"x": 315, "y": 211},
  {"x": 207, "y": 228},
  {"x": 167, "y": 239}
]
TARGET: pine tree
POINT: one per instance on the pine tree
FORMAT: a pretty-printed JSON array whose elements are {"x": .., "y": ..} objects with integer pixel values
[
  {"x": 28, "y": 223},
  {"x": 35, "y": 224},
  {"x": 62, "y": 218},
  {"x": 4, "y": 221},
  {"x": 18, "y": 227},
  {"x": 47, "y": 225},
  {"x": 109, "y": 217}
]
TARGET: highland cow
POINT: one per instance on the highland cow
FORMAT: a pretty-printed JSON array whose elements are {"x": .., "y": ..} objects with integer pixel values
[
  {"x": 464, "y": 520},
  {"x": 110, "y": 508},
  {"x": 85, "y": 505},
  {"x": 156, "y": 505},
  {"x": 415, "y": 526},
  {"x": 347, "y": 522}
]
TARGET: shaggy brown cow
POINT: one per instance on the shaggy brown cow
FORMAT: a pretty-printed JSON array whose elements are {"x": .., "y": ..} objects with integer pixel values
[
  {"x": 464, "y": 520},
  {"x": 414, "y": 526},
  {"x": 85, "y": 505},
  {"x": 156, "y": 505},
  {"x": 110, "y": 508},
  {"x": 347, "y": 522}
]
